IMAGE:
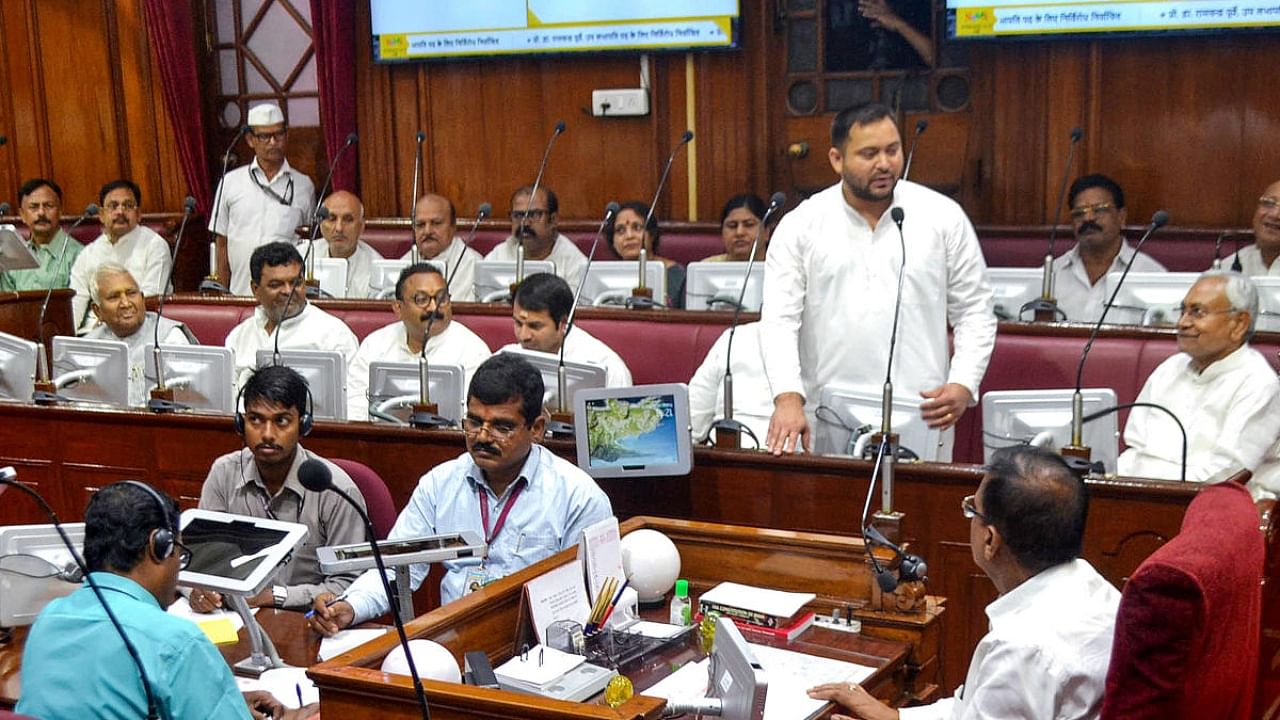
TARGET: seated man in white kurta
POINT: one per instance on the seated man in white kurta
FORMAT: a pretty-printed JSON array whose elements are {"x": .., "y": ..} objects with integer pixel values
[
  {"x": 435, "y": 237},
  {"x": 422, "y": 302},
  {"x": 752, "y": 393},
  {"x": 1223, "y": 391},
  {"x": 534, "y": 223},
  {"x": 276, "y": 281},
  {"x": 341, "y": 232}
]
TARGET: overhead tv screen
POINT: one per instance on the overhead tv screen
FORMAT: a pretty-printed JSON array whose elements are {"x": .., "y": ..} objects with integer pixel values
[
  {"x": 987, "y": 19},
  {"x": 414, "y": 30}
]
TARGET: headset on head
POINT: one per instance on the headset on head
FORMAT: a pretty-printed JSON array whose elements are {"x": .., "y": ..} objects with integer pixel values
[
  {"x": 162, "y": 538},
  {"x": 305, "y": 420}
]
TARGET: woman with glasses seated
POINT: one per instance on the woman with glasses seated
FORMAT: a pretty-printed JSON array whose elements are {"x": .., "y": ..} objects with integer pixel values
[{"x": 629, "y": 233}]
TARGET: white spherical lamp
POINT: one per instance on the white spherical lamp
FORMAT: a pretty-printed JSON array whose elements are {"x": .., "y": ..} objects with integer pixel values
[
  {"x": 432, "y": 660},
  {"x": 651, "y": 563}
]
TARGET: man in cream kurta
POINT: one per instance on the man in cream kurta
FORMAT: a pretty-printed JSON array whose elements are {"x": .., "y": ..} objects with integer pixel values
[
  {"x": 1260, "y": 257},
  {"x": 533, "y": 221},
  {"x": 435, "y": 238}
]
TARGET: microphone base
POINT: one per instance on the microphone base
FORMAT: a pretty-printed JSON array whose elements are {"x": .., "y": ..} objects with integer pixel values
[
  {"x": 162, "y": 401},
  {"x": 641, "y": 299},
  {"x": 211, "y": 286},
  {"x": 427, "y": 416},
  {"x": 889, "y": 524},
  {"x": 561, "y": 425},
  {"x": 1078, "y": 457},
  {"x": 46, "y": 393},
  {"x": 728, "y": 439},
  {"x": 1043, "y": 310}
]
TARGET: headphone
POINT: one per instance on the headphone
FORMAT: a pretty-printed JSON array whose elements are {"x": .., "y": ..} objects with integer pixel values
[
  {"x": 163, "y": 538},
  {"x": 305, "y": 421}
]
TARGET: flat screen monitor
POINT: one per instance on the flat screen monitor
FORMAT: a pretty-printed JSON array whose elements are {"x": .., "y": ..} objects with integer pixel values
[
  {"x": 331, "y": 273},
  {"x": 1043, "y": 418},
  {"x": 326, "y": 374},
  {"x": 716, "y": 286},
  {"x": 1268, "y": 303},
  {"x": 1148, "y": 298},
  {"x": 202, "y": 377},
  {"x": 412, "y": 30},
  {"x": 610, "y": 282},
  {"x": 91, "y": 371},
  {"x": 495, "y": 277},
  {"x": 847, "y": 418},
  {"x": 17, "y": 367},
  {"x": 385, "y": 273},
  {"x": 1014, "y": 287},
  {"x": 1093, "y": 19},
  {"x": 235, "y": 554},
  {"x": 735, "y": 676},
  {"x": 578, "y": 376},
  {"x": 35, "y": 568},
  {"x": 394, "y": 388},
  {"x": 14, "y": 253},
  {"x": 640, "y": 431}
]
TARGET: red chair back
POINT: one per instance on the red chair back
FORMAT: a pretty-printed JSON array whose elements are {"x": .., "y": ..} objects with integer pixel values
[{"x": 377, "y": 498}]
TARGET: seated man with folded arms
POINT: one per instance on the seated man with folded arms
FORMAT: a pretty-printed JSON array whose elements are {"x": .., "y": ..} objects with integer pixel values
[
  {"x": 533, "y": 222},
  {"x": 276, "y": 270},
  {"x": 1223, "y": 391},
  {"x": 120, "y": 307},
  {"x": 522, "y": 499},
  {"x": 75, "y": 664},
  {"x": 261, "y": 480},
  {"x": 1049, "y": 644},
  {"x": 752, "y": 393},
  {"x": 540, "y": 311},
  {"x": 435, "y": 235},
  {"x": 422, "y": 301},
  {"x": 341, "y": 233},
  {"x": 1260, "y": 257},
  {"x": 40, "y": 207}
]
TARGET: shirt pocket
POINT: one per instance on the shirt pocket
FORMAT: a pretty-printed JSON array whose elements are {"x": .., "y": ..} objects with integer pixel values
[
  {"x": 531, "y": 547},
  {"x": 283, "y": 221}
]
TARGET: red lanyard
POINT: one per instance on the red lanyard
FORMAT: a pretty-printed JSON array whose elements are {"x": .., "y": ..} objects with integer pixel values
[{"x": 502, "y": 516}]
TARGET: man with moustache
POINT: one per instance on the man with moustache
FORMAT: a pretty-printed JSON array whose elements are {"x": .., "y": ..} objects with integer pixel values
[
  {"x": 533, "y": 222},
  {"x": 1097, "y": 216},
  {"x": 120, "y": 306},
  {"x": 525, "y": 501},
  {"x": 435, "y": 228},
  {"x": 1260, "y": 257},
  {"x": 832, "y": 278},
  {"x": 341, "y": 239},
  {"x": 276, "y": 269},
  {"x": 40, "y": 207},
  {"x": 422, "y": 305}
]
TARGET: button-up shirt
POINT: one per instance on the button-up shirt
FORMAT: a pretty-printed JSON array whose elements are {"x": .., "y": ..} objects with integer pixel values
[
  {"x": 569, "y": 261},
  {"x": 54, "y": 271},
  {"x": 1081, "y": 301},
  {"x": 456, "y": 345},
  {"x": 248, "y": 216},
  {"x": 462, "y": 283},
  {"x": 311, "y": 329},
  {"x": 141, "y": 251}
]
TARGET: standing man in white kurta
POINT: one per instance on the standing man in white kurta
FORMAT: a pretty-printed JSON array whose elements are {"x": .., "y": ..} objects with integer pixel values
[
  {"x": 831, "y": 278},
  {"x": 341, "y": 232},
  {"x": 262, "y": 202},
  {"x": 435, "y": 238},
  {"x": 422, "y": 297}
]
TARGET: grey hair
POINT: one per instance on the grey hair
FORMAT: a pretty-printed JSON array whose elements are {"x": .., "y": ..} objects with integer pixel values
[
  {"x": 104, "y": 270},
  {"x": 1241, "y": 292}
]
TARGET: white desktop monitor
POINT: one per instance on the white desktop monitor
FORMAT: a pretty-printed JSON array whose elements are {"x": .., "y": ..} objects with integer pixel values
[
  {"x": 17, "y": 367},
  {"x": 611, "y": 282},
  {"x": 716, "y": 286},
  {"x": 331, "y": 273},
  {"x": 384, "y": 274},
  {"x": 1014, "y": 287},
  {"x": 735, "y": 676},
  {"x": 1148, "y": 298},
  {"x": 235, "y": 554},
  {"x": 14, "y": 253},
  {"x": 326, "y": 374},
  {"x": 92, "y": 371},
  {"x": 578, "y": 376},
  {"x": 201, "y": 376},
  {"x": 847, "y": 418},
  {"x": 1043, "y": 417},
  {"x": 35, "y": 568},
  {"x": 394, "y": 387},
  {"x": 495, "y": 277},
  {"x": 1268, "y": 303},
  {"x": 640, "y": 431}
]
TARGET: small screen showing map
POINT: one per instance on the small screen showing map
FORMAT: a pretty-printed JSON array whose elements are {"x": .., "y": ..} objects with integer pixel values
[{"x": 634, "y": 432}]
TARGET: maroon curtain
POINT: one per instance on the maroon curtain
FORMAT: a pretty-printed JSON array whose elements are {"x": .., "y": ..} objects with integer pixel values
[
  {"x": 333, "y": 32},
  {"x": 172, "y": 37}
]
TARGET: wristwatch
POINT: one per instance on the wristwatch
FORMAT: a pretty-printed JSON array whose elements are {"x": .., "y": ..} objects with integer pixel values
[{"x": 280, "y": 594}]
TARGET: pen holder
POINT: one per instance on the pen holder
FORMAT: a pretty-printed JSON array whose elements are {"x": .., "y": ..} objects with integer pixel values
[{"x": 625, "y": 613}]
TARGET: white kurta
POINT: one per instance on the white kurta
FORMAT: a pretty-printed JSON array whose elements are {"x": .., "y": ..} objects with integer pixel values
[
  {"x": 141, "y": 251},
  {"x": 1229, "y": 412},
  {"x": 171, "y": 333},
  {"x": 1081, "y": 301},
  {"x": 1251, "y": 263},
  {"x": 311, "y": 329},
  {"x": 583, "y": 347},
  {"x": 249, "y": 217},
  {"x": 1045, "y": 655},
  {"x": 829, "y": 288},
  {"x": 752, "y": 394},
  {"x": 457, "y": 345},
  {"x": 359, "y": 266},
  {"x": 569, "y": 260},
  {"x": 462, "y": 286}
]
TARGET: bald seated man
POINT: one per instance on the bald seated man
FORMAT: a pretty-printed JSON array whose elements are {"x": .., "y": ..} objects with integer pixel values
[
  {"x": 1260, "y": 257},
  {"x": 340, "y": 239},
  {"x": 436, "y": 240}
]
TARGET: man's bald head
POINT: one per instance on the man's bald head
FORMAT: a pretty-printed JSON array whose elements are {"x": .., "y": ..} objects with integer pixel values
[{"x": 344, "y": 225}]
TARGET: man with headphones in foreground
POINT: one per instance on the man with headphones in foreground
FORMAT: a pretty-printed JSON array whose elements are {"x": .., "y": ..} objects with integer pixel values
[
  {"x": 75, "y": 663},
  {"x": 261, "y": 480}
]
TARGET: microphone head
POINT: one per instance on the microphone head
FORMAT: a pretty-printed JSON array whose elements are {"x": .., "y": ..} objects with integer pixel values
[
  {"x": 189, "y": 204},
  {"x": 897, "y": 214},
  {"x": 686, "y": 137},
  {"x": 886, "y": 580},
  {"x": 777, "y": 200},
  {"x": 352, "y": 138},
  {"x": 1160, "y": 218},
  {"x": 1076, "y": 134},
  {"x": 315, "y": 475},
  {"x": 560, "y": 127},
  {"x": 4, "y": 140},
  {"x": 322, "y": 213},
  {"x": 245, "y": 129},
  {"x": 8, "y": 474},
  {"x": 483, "y": 211},
  {"x": 90, "y": 210},
  {"x": 921, "y": 126},
  {"x": 421, "y": 136},
  {"x": 612, "y": 208},
  {"x": 5, "y": 208}
]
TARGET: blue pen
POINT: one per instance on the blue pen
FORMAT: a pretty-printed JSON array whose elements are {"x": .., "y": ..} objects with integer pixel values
[
  {"x": 298, "y": 687},
  {"x": 312, "y": 613}
]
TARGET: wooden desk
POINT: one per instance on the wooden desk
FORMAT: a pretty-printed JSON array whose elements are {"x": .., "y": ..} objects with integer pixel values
[
  {"x": 490, "y": 620},
  {"x": 20, "y": 315}
]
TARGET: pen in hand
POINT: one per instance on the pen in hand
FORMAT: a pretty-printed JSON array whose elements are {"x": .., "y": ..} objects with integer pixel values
[{"x": 329, "y": 603}]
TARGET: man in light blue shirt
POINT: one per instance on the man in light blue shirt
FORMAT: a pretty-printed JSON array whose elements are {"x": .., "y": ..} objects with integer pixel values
[{"x": 526, "y": 502}]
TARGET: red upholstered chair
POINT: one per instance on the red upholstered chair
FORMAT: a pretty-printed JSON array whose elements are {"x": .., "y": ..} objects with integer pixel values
[
  {"x": 377, "y": 498},
  {"x": 10, "y": 715},
  {"x": 1190, "y": 620}
]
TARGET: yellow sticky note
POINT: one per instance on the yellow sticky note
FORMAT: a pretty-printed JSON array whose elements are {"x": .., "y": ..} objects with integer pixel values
[{"x": 220, "y": 631}]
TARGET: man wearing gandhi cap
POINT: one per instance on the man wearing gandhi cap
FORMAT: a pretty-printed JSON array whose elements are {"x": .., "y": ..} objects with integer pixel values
[{"x": 259, "y": 203}]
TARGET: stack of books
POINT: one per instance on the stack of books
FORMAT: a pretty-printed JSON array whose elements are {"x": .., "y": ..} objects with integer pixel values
[{"x": 760, "y": 611}]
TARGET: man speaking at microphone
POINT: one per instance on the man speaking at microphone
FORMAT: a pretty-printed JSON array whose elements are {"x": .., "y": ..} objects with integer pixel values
[{"x": 831, "y": 279}]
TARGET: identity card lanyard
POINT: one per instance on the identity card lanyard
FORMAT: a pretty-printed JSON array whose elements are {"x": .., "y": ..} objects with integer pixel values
[{"x": 502, "y": 516}]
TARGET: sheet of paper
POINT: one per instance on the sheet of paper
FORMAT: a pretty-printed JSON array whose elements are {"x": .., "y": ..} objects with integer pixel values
[
  {"x": 537, "y": 667},
  {"x": 654, "y": 629},
  {"x": 216, "y": 625},
  {"x": 763, "y": 600},
  {"x": 557, "y": 595},
  {"x": 344, "y": 640},
  {"x": 602, "y": 552},
  {"x": 284, "y": 684}
]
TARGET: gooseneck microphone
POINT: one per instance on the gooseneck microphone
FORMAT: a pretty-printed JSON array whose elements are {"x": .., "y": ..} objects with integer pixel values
[
  {"x": 911, "y": 567},
  {"x": 1046, "y": 306},
  {"x": 533, "y": 195},
  {"x": 161, "y": 397},
  {"x": 8, "y": 476},
  {"x": 729, "y": 431},
  {"x": 284, "y": 315},
  {"x": 482, "y": 212},
  {"x": 211, "y": 284},
  {"x": 642, "y": 296},
  {"x": 45, "y": 393},
  {"x": 413, "y": 201},
  {"x": 426, "y": 413},
  {"x": 351, "y": 140},
  {"x": 921, "y": 126},
  {"x": 1124, "y": 406},
  {"x": 316, "y": 477}
]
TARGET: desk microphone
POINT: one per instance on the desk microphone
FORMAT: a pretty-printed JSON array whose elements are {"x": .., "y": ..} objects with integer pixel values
[
  {"x": 425, "y": 413},
  {"x": 211, "y": 284},
  {"x": 162, "y": 398},
  {"x": 8, "y": 476},
  {"x": 351, "y": 140},
  {"x": 642, "y": 296},
  {"x": 413, "y": 201},
  {"x": 533, "y": 195},
  {"x": 921, "y": 126},
  {"x": 45, "y": 393},
  {"x": 1046, "y": 306},
  {"x": 911, "y": 567},
  {"x": 316, "y": 477},
  {"x": 1125, "y": 406},
  {"x": 482, "y": 212},
  {"x": 727, "y": 427}
]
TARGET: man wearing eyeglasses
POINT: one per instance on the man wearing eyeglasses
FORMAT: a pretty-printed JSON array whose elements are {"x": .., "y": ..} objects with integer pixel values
[
  {"x": 422, "y": 306},
  {"x": 523, "y": 500},
  {"x": 124, "y": 242},
  {"x": 1097, "y": 217},
  {"x": 40, "y": 207},
  {"x": 1260, "y": 257},
  {"x": 435, "y": 227},
  {"x": 533, "y": 222},
  {"x": 1222, "y": 391},
  {"x": 1048, "y": 646},
  {"x": 340, "y": 239},
  {"x": 259, "y": 203}
]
